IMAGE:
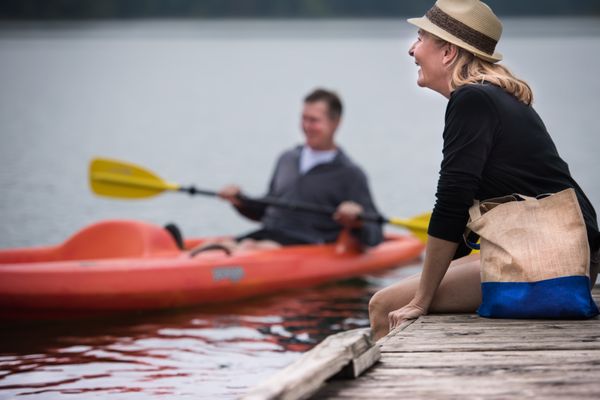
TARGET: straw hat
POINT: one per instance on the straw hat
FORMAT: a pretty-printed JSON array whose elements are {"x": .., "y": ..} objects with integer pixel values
[{"x": 469, "y": 24}]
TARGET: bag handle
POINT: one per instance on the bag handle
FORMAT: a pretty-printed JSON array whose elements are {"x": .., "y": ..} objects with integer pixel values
[
  {"x": 474, "y": 213},
  {"x": 522, "y": 197},
  {"x": 475, "y": 210},
  {"x": 471, "y": 245}
]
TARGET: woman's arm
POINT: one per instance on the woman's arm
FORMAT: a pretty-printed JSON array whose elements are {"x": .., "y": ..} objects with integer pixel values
[{"x": 438, "y": 255}]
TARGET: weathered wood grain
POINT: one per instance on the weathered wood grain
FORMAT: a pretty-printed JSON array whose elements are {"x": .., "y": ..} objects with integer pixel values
[
  {"x": 300, "y": 379},
  {"x": 463, "y": 356},
  {"x": 360, "y": 364}
]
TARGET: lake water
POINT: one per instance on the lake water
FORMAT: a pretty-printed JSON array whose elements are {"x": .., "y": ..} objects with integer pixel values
[{"x": 214, "y": 102}]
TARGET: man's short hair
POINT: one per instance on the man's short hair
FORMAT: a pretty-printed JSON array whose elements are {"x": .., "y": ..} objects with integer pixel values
[{"x": 334, "y": 104}]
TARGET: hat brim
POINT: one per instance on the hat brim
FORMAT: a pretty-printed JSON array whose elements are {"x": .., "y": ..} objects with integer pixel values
[{"x": 430, "y": 27}]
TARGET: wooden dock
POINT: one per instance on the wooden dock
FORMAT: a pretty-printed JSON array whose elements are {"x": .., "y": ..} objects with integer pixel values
[
  {"x": 451, "y": 356},
  {"x": 465, "y": 356}
]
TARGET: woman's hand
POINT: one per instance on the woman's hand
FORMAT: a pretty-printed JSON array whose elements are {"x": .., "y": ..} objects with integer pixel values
[{"x": 409, "y": 311}]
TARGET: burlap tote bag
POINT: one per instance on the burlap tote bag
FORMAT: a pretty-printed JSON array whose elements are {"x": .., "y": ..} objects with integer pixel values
[{"x": 534, "y": 257}]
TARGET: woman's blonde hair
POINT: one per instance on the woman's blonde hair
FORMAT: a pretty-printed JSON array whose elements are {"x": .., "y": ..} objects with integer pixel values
[{"x": 469, "y": 69}]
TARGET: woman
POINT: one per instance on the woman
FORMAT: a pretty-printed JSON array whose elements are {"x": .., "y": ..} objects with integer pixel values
[{"x": 494, "y": 144}]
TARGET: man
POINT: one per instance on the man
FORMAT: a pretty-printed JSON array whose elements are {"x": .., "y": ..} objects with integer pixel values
[{"x": 318, "y": 172}]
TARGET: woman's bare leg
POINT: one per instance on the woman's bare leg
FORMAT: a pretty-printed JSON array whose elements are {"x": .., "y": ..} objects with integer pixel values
[
  {"x": 460, "y": 291},
  {"x": 594, "y": 267}
]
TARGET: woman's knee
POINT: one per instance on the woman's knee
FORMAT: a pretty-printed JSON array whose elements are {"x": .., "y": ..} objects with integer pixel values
[
  {"x": 375, "y": 305},
  {"x": 393, "y": 297},
  {"x": 378, "y": 315}
]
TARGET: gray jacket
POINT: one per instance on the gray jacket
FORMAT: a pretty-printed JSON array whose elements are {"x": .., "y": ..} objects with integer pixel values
[{"x": 327, "y": 184}]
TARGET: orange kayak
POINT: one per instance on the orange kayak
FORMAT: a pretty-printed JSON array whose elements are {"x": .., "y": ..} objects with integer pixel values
[{"x": 121, "y": 265}]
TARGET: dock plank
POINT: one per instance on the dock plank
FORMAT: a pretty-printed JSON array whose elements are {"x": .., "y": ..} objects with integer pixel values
[
  {"x": 462, "y": 356},
  {"x": 346, "y": 353}
]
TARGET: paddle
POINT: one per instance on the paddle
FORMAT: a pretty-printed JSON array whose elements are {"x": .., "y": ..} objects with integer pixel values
[{"x": 112, "y": 178}]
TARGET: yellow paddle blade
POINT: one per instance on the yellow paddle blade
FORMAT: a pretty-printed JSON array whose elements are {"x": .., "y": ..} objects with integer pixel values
[
  {"x": 113, "y": 178},
  {"x": 417, "y": 225}
]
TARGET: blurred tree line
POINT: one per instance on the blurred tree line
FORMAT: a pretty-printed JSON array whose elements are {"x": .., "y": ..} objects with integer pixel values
[{"x": 108, "y": 9}]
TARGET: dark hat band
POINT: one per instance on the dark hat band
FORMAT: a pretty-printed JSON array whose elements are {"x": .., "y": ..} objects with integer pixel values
[{"x": 461, "y": 31}]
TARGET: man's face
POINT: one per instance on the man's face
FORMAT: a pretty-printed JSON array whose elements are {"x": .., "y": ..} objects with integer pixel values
[{"x": 318, "y": 126}]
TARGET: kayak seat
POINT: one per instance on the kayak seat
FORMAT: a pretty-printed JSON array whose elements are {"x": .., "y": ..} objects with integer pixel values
[
  {"x": 118, "y": 239},
  {"x": 175, "y": 233}
]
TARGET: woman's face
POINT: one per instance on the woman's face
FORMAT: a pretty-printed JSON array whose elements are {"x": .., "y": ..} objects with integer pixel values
[{"x": 431, "y": 57}]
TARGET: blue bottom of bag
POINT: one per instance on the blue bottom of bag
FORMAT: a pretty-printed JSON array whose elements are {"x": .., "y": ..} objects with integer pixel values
[{"x": 559, "y": 298}]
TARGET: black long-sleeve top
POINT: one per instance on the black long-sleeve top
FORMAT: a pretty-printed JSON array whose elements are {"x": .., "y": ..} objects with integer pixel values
[
  {"x": 328, "y": 185},
  {"x": 495, "y": 145}
]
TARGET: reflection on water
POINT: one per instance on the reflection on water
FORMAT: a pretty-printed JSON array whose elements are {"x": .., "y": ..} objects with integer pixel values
[{"x": 194, "y": 353}]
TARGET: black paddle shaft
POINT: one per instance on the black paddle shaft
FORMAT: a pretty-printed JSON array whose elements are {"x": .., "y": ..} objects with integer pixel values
[
  {"x": 193, "y": 190},
  {"x": 276, "y": 202}
]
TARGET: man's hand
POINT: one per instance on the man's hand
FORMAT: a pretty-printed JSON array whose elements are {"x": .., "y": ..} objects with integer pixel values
[
  {"x": 348, "y": 214},
  {"x": 231, "y": 193}
]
